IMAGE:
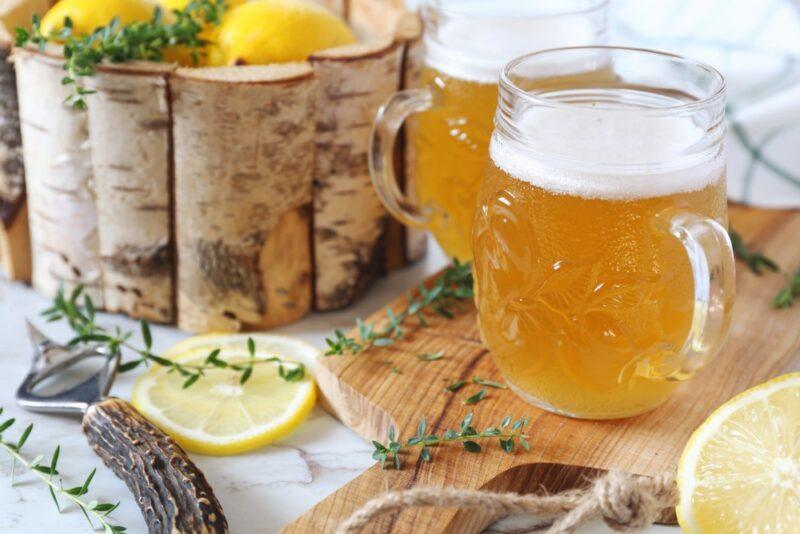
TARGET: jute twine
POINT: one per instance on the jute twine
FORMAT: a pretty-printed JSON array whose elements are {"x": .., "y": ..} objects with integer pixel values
[{"x": 625, "y": 502}]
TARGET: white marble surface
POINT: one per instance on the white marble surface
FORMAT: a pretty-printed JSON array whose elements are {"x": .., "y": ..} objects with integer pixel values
[{"x": 260, "y": 491}]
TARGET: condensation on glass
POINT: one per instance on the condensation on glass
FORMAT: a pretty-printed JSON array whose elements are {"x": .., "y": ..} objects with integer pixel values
[{"x": 604, "y": 273}]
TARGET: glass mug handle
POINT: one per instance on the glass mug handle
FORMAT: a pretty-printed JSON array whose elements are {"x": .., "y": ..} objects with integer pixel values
[
  {"x": 388, "y": 121},
  {"x": 710, "y": 255}
]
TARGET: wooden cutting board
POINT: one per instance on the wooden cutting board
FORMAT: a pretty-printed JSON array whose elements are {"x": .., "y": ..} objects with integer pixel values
[{"x": 368, "y": 396}]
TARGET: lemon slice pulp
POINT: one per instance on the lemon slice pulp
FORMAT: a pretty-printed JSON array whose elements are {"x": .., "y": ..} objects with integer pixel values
[
  {"x": 218, "y": 415},
  {"x": 740, "y": 471}
]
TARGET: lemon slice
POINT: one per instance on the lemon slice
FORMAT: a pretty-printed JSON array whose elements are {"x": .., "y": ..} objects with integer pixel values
[
  {"x": 217, "y": 415},
  {"x": 740, "y": 471}
]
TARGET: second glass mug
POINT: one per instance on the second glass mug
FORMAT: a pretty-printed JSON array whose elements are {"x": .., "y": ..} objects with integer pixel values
[
  {"x": 604, "y": 274},
  {"x": 467, "y": 42}
]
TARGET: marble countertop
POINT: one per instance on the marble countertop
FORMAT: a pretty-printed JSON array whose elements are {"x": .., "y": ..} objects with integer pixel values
[{"x": 260, "y": 491}]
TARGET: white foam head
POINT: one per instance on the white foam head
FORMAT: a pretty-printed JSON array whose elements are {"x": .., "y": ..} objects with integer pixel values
[
  {"x": 606, "y": 154},
  {"x": 477, "y": 48}
]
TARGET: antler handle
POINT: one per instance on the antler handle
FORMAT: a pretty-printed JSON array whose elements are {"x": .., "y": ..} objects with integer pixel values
[{"x": 171, "y": 491}]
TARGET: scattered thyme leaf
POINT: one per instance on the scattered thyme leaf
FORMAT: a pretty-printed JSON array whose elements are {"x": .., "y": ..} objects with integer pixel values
[
  {"x": 476, "y": 398},
  {"x": 488, "y": 383},
  {"x": 455, "y": 386},
  {"x": 431, "y": 356}
]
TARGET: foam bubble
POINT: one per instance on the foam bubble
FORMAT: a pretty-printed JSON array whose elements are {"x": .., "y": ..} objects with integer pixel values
[
  {"x": 571, "y": 152},
  {"x": 476, "y": 50}
]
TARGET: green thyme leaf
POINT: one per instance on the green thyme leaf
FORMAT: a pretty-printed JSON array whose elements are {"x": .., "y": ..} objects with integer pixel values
[
  {"x": 791, "y": 291},
  {"x": 476, "y": 398},
  {"x": 455, "y": 386},
  {"x": 471, "y": 446},
  {"x": 488, "y": 383},
  {"x": 431, "y": 356},
  {"x": 146, "y": 335}
]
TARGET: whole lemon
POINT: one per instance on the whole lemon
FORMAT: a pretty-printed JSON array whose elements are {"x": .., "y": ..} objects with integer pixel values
[
  {"x": 180, "y": 4},
  {"x": 277, "y": 31},
  {"x": 88, "y": 15},
  {"x": 173, "y": 4},
  {"x": 182, "y": 54}
]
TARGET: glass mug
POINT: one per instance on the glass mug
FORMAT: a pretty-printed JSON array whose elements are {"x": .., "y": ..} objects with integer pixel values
[
  {"x": 467, "y": 42},
  {"x": 604, "y": 273}
]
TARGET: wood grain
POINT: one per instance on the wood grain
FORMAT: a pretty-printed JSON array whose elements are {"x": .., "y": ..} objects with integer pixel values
[{"x": 364, "y": 393}]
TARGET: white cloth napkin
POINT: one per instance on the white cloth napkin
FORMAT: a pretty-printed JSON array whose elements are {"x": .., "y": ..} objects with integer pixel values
[{"x": 756, "y": 45}]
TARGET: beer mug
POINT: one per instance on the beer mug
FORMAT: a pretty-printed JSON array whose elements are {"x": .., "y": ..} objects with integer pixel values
[
  {"x": 467, "y": 42},
  {"x": 604, "y": 273}
]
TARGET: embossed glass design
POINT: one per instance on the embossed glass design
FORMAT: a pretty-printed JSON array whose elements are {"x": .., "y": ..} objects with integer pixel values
[
  {"x": 604, "y": 274},
  {"x": 467, "y": 42}
]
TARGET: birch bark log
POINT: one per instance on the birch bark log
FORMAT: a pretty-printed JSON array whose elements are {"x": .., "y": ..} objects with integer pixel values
[
  {"x": 130, "y": 132},
  {"x": 350, "y": 240},
  {"x": 244, "y": 149},
  {"x": 58, "y": 174}
]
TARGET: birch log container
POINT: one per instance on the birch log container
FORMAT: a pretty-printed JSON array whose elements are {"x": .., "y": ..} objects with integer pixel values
[{"x": 220, "y": 198}]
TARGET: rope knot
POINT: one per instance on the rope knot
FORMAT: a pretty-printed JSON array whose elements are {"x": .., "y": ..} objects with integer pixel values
[{"x": 626, "y": 502}]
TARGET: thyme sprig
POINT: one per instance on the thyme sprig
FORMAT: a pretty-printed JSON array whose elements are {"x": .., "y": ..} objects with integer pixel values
[
  {"x": 118, "y": 43},
  {"x": 759, "y": 263},
  {"x": 755, "y": 261},
  {"x": 443, "y": 297},
  {"x": 791, "y": 291},
  {"x": 507, "y": 433},
  {"x": 48, "y": 473},
  {"x": 82, "y": 321}
]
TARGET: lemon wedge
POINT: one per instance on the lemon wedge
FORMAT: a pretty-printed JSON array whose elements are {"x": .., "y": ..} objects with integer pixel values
[
  {"x": 217, "y": 415},
  {"x": 740, "y": 471}
]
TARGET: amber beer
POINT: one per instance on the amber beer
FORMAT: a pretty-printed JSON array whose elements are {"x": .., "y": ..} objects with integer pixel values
[
  {"x": 590, "y": 287},
  {"x": 450, "y": 145},
  {"x": 466, "y": 46}
]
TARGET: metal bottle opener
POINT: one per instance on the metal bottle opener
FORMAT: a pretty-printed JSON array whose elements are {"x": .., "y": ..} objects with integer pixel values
[{"x": 171, "y": 491}]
